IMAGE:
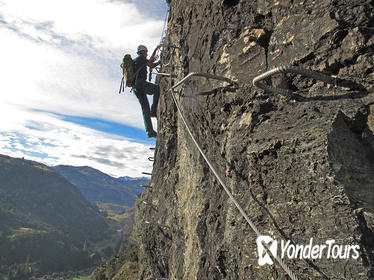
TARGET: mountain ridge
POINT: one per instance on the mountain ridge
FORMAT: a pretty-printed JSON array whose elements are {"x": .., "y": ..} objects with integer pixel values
[
  {"x": 99, "y": 187},
  {"x": 45, "y": 220}
]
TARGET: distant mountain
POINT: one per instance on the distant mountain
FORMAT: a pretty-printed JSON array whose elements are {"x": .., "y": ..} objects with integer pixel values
[
  {"x": 45, "y": 221},
  {"x": 99, "y": 187},
  {"x": 134, "y": 182},
  {"x": 127, "y": 179}
]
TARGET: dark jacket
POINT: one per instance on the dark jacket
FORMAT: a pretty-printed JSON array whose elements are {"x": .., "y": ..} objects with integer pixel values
[{"x": 141, "y": 61}]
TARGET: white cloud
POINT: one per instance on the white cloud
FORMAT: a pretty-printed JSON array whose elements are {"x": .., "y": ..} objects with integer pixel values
[
  {"x": 44, "y": 78},
  {"x": 81, "y": 79},
  {"x": 111, "y": 24},
  {"x": 63, "y": 57},
  {"x": 45, "y": 138}
]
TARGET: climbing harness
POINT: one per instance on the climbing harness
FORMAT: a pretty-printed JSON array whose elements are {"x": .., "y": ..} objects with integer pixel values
[{"x": 257, "y": 81}]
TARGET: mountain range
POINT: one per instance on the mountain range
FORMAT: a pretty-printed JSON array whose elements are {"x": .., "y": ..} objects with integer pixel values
[
  {"x": 99, "y": 187},
  {"x": 45, "y": 220}
]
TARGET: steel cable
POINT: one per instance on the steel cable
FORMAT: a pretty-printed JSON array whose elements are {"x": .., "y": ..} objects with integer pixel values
[{"x": 257, "y": 81}]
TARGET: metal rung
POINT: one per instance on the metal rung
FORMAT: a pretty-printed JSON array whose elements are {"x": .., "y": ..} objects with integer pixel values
[
  {"x": 205, "y": 75},
  {"x": 156, "y": 224},
  {"x": 164, "y": 74},
  {"x": 150, "y": 204},
  {"x": 146, "y": 173},
  {"x": 257, "y": 81},
  {"x": 151, "y": 158},
  {"x": 161, "y": 74}
]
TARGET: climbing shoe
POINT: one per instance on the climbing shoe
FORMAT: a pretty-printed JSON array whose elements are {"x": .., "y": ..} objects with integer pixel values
[{"x": 152, "y": 134}]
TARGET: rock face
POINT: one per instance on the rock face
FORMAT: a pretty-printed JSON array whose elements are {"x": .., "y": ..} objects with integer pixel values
[{"x": 301, "y": 166}]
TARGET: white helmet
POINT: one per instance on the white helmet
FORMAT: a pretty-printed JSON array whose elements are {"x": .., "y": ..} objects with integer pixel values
[{"x": 142, "y": 48}]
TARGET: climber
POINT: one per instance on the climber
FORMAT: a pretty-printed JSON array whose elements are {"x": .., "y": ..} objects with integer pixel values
[{"x": 142, "y": 87}]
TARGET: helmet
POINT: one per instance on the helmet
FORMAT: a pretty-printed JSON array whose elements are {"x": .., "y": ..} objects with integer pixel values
[{"x": 142, "y": 48}]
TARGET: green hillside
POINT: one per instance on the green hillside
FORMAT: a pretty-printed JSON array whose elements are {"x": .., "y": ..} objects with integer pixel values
[
  {"x": 99, "y": 187},
  {"x": 45, "y": 221}
]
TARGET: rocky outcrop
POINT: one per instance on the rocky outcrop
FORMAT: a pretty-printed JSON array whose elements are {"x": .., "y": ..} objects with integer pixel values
[{"x": 301, "y": 166}]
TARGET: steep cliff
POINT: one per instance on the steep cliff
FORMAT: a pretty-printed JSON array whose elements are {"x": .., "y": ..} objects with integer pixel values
[{"x": 301, "y": 166}]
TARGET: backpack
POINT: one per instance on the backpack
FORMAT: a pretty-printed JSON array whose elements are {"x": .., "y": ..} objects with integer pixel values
[{"x": 129, "y": 76}]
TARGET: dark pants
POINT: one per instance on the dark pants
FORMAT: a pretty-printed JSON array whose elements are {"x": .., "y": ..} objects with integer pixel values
[{"x": 142, "y": 88}]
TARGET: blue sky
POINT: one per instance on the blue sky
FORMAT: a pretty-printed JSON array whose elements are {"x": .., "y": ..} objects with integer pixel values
[{"x": 60, "y": 76}]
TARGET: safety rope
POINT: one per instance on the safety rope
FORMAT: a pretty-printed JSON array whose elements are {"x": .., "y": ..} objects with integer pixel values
[{"x": 242, "y": 212}]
